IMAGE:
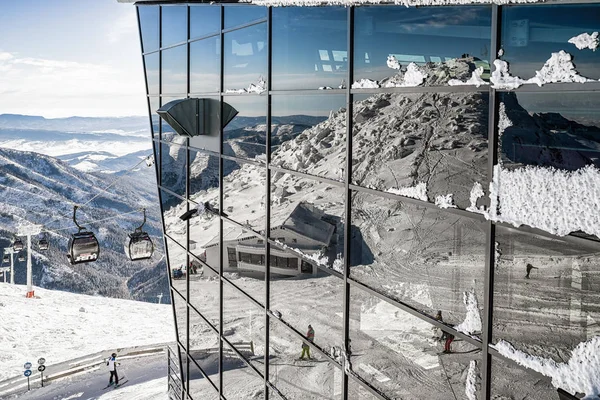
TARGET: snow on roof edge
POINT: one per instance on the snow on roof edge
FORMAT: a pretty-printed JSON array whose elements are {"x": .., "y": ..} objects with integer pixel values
[{"x": 406, "y": 3}]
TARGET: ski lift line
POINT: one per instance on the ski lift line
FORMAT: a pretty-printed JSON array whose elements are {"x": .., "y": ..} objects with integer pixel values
[
  {"x": 94, "y": 221},
  {"x": 145, "y": 159}
]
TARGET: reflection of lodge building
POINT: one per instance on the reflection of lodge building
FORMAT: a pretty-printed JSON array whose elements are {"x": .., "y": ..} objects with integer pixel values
[{"x": 304, "y": 230}]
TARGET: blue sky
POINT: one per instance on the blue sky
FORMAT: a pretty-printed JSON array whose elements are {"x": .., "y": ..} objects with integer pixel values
[{"x": 62, "y": 58}]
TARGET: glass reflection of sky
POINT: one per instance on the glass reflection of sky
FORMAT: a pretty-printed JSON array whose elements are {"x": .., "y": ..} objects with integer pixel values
[
  {"x": 151, "y": 61},
  {"x": 240, "y": 15},
  {"x": 245, "y": 56},
  {"x": 204, "y": 65},
  {"x": 204, "y": 20},
  {"x": 174, "y": 25},
  {"x": 531, "y": 34},
  {"x": 420, "y": 35},
  {"x": 149, "y": 27},
  {"x": 174, "y": 70},
  {"x": 309, "y": 47}
]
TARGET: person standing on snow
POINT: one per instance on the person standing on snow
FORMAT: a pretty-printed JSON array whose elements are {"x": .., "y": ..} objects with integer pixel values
[
  {"x": 310, "y": 335},
  {"x": 112, "y": 368}
]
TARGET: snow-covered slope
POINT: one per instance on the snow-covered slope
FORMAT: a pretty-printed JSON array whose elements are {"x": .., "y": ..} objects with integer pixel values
[{"x": 60, "y": 326}]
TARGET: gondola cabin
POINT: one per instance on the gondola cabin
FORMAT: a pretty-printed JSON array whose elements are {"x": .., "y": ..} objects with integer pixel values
[
  {"x": 140, "y": 246},
  {"x": 83, "y": 247},
  {"x": 6, "y": 259},
  {"x": 18, "y": 245},
  {"x": 43, "y": 244},
  {"x": 21, "y": 257}
]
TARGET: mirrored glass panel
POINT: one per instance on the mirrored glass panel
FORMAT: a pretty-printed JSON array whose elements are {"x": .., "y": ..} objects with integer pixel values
[
  {"x": 174, "y": 168},
  {"x": 204, "y": 291},
  {"x": 240, "y": 15},
  {"x": 309, "y": 47},
  {"x": 430, "y": 146},
  {"x": 156, "y": 147},
  {"x": 174, "y": 25},
  {"x": 307, "y": 216},
  {"x": 531, "y": 35},
  {"x": 244, "y": 262},
  {"x": 560, "y": 130},
  {"x": 546, "y": 294},
  {"x": 403, "y": 356},
  {"x": 245, "y": 135},
  {"x": 308, "y": 134},
  {"x": 244, "y": 326},
  {"x": 205, "y": 68},
  {"x": 244, "y": 191},
  {"x": 204, "y": 20},
  {"x": 421, "y": 46},
  {"x": 199, "y": 387},
  {"x": 510, "y": 381},
  {"x": 358, "y": 392},
  {"x": 177, "y": 265},
  {"x": 149, "y": 27},
  {"x": 168, "y": 134},
  {"x": 151, "y": 62},
  {"x": 239, "y": 380},
  {"x": 307, "y": 298},
  {"x": 424, "y": 257},
  {"x": 211, "y": 138},
  {"x": 245, "y": 63},
  {"x": 174, "y": 70},
  {"x": 293, "y": 377},
  {"x": 204, "y": 346},
  {"x": 154, "y": 105},
  {"x": 181, "y": 319}
]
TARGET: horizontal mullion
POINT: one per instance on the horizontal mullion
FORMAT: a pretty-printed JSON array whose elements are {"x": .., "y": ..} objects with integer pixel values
[
  {"x": 301, "y": 337},
  {"x": 176, "y": 242},
  {"x": 164, "y": 189},
  {"x": 203, "y": 373},
  {"x": 413, "y": 311},
  {"x": 243, "y": 160},
  {"x": 259, "y": 235},
  {"x": 305, "y": 175},
  {"x": 198, "y": 94},
  {"x": 366, "y": 385},
  {"x": 216, "y": 330},
  {"x": 246, "y": 25},
  {"x": 207, "y": 36},
  {"x": 307, "y": 91},
  {"x": 243, "y": 293},
  {"x": 290, "y": 250},
  {"x": 393, "y": 196},
  {"x": 555, "y": 87},
  {"x": 424, "y": 89}
]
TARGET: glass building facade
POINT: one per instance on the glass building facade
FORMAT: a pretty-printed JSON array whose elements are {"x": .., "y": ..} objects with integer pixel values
[{"x": 438, "y": 234}]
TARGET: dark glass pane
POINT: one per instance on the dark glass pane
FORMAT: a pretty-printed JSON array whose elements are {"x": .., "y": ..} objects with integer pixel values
[
  {"x": 204, "y": 291},
  {"x": 205, "y": 69},
  {"x": 546, "y": 294},
  {"x": 240, "y": 381},
  {"x": 560, "y": 130},
  {"x": 174, "y": 25},
  {"x": 174, "y": 168},
  {"x": 430, "y": 146},
  {"x": 307, "y": 216},
  {"x": 315, "y": 298},
  {"x": 211, "y": 139},
  {"x": 245, "y": 135},
  {"x": 442, "y": 42},
  {"x": 427, "y": 258},
  {"x": 395, "y": 352},
  {"x": 154, "y": 105},
  {"x": 244, "y": 326},
  {"x": 204, "y": 346},
  {"x": 509, "y": 381},
  {"x": 204, "y": 20},
  {"x": 174, "y": 70},
  {"x": 291, "y": 376},
  {"x": 245, "y": 60},
  {"x": 177, "y": 264},
  {"x": 530, "y": 35},
  {"x": 168, "y": 133},
  {"x": 308, "y": 134},
  {"x": 244, "y": 193},
  {"x": 243, "y": 260},
  {"x": 181, "y": 318},
  {"x": 309, "y": 47},
  {"x": 152, "y": 72},
  {"x": 149, "y": 27},
  {"x": 199, "y": 387},
  {"x": 240, "y": 15}
]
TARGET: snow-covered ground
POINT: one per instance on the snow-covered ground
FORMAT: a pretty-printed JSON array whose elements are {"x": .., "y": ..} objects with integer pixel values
[{"x": 61, "y": 326}]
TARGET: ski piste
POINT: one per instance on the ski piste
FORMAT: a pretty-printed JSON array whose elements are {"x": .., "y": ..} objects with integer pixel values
[{"x": 116, "y": 386}]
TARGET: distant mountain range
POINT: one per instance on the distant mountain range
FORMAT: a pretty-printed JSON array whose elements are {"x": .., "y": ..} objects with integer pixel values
[{"x": 129, "y": 125}]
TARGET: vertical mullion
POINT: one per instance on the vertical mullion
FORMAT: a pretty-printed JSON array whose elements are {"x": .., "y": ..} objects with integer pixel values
[
  {"x": 221, "y": 66},
  {"x": 268, "y": 200},
  {"x": 490, "y": 226},
  {"x": 347, "y": 192}
]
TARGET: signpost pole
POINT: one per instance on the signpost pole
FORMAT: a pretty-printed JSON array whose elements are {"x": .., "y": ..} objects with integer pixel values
[
  {"x": 12, "y": 268},
  {"x": 29, "y": 277},
  {"x": 28, "y": 387}
]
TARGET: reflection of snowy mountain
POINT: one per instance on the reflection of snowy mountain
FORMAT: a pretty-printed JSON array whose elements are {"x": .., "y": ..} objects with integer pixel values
[{"x": 40, "y": 189}]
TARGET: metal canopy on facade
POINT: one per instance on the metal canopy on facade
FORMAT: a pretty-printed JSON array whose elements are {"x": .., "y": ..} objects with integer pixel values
[{"x": 194, "y": 117}]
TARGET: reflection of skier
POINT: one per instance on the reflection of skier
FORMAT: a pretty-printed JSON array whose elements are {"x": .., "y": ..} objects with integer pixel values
[
  {"x": 112, "y": 368},
  {"x": 448, "y": 337},
  {"x": 529, "y": 268},
  {"x": 310, "y": 335}
]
